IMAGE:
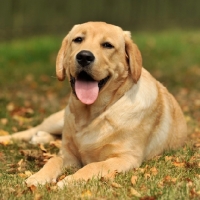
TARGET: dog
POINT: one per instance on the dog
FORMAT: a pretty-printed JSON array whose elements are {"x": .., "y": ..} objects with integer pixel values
[{"x": 117, "y": 115}]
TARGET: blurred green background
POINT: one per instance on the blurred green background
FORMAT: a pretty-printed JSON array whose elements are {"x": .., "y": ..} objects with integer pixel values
[
  {"x": 27, "y": 17},
  {"x": 167, "y": 33}
]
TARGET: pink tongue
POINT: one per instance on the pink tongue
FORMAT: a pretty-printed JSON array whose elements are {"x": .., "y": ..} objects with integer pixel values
[{"x": 87, "y": 92}]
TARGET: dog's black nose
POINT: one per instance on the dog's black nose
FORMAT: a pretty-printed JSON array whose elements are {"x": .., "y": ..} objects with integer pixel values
[{"x": 85, "y": 58}]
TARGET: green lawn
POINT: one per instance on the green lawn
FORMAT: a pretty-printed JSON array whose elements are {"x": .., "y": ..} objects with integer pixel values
[{"x": 29, "y": 92}]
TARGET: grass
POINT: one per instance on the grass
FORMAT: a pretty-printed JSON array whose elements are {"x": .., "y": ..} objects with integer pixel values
[{"x": 30, "y": 91}]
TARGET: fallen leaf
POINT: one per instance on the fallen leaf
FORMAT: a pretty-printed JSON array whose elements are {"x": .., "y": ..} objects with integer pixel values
[
  {"x": 4, "y": 121},
  {"x": 197, "y": 145},
  {"x": 22, "y": 175},
  {"x": 154, "y": 170},
  {"x": 21, "y": 120},
  {"x": 142, "y": 170},
  {"x": 179, "y": 164},
  {"x": 116, "y": 185},
  {"x": 86, "y": 194},
  {"x": 11, "y": 190},
  {"x": 168, "y": 158},
  {"x": 143, "y": 187},
  {"x": 10, "y": 107},
  {"x": 134, "y": 179},
  {"x": 2, "y": 156},
  {"x": 135, "y": 192},
  {"x": 147, "y": 176},
  {"x": 61, "y": 177},
  {"x": 3, "y": 133},
  {"x": 193, "y": 193},
  {"x": 32, "y": 188},
  {"x": 160, "y": 184},
  {"x": 42, "y": 148},
  {"x": 20, "y": 163},
  {"x": 48, "y": 155},
  {"x": 148, "y": 198},
  {"x": 190, "y": 184},
  {"x": 37, "y": 196},
  {"x": 6, "y": 143},
  {"x": 28, "y": 173},
  {"x": 168, "y": 179},
  {"x": 56, "y": 143}
]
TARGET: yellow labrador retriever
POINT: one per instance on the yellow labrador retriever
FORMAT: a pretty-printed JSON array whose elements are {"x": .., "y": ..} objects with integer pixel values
[{"x": 117, "y": 114}]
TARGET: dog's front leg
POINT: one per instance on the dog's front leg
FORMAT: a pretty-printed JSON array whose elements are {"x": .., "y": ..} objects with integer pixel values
[
  {"x": 101, "y": 169},
  {"x": 48, "y": 174},
  {"x": 43, "y": 133},
  {"x": 53, "y": 168}
]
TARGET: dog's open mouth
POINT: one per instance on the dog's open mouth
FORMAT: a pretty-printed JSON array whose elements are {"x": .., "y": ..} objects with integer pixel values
[{"x": 86, "y": 88}]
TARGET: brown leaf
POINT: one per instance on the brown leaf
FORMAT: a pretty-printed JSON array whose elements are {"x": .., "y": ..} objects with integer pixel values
[
  {"x": 142, "y": 170},
  {"x": 148, "y": 198},
  {"x": 179, "y": 164},
  {"x": 32, "y": 188},
  {"x": 42, "y": 148},
  {"x": 6, "y": 143},
  {"x": 193, "y": 193},
  {"x": 56, "y": 143},
  {"x": 20, "y": 162},
  {"x": 134, "y": 179},
  {"x": 61, "y": 177},
  {"x": 3, "y": 133},
  {"x": 48, "y": 155},
  {"x": 168, "y": 158},
  {"x": 197, "y": 145},
  {"x": 198, "y": 175},
  {"x": 4, "y": 121},
  {"x": 116, "y": 185},
  {"x": 21, "y": 120},
  {"x": 160, "y": 184},
  {"x": 154, "y": 170},
  {"x": 147, "y": 176},
  {"x": 20, "y": 165},
  {"x": 169, "y": 179},
  {"x": 86, "y": 194},
  {"x": 135, "y": 192},
  {"x": 26, "y": 174},
  {"x": 2, "y": 156},
  {"x": 10, "y": 107},
  {"x": 22, "y": 175},
  {"x": 37, "y": 196}
]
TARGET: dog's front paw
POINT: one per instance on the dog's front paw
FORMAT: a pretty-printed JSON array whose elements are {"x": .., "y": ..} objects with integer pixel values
[
  {"x": 38, "y": 179},
  {"x": 41, "y": 137}
]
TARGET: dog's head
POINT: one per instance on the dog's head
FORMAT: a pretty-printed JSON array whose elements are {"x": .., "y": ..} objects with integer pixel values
[{"x": 96, "y": 56}]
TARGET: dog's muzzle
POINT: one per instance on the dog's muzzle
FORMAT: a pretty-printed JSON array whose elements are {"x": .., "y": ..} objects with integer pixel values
[{"x": 84, "y": 85}]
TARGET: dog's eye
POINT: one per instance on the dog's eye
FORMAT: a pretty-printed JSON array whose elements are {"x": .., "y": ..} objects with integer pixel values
[
  {"x": 78, "y": 40},
  {"x": 107, "y": 45}
]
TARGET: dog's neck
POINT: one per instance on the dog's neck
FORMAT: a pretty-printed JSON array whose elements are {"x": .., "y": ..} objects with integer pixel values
[{"x": 85, "y": 114}]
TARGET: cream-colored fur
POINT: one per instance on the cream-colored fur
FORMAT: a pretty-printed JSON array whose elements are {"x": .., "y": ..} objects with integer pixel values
[{"x": 134, "y": 117}]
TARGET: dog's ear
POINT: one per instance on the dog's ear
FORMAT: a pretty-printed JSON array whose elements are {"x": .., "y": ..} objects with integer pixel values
[
  {"x": 133, "y": 56},
  {"x": 60, "y": 71}
]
